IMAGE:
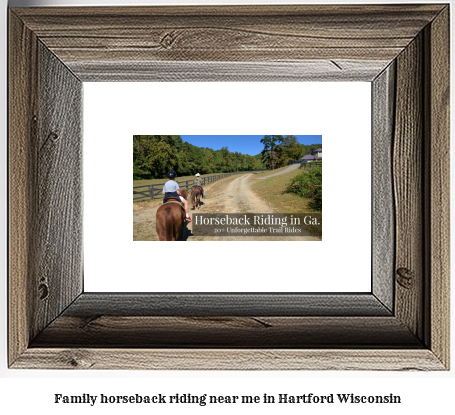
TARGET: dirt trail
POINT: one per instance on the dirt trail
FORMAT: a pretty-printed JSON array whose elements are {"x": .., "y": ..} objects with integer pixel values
[
  {"x": 236, "y": 197},
  {"x": 230, "y": 195},
  {"x": 239, "y": 198},
  {"x": 286, "y": 170}
]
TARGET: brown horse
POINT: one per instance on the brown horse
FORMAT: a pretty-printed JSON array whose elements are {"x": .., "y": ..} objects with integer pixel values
[
  {"x": 170, "y": 219},
  {"x": 196, "y": 193},
  {"x": 183, "y": 193}
]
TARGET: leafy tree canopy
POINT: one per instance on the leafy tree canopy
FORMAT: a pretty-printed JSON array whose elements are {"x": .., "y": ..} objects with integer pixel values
[
  {"x": 280, "y": 150},
  {"x": 155, "y": 155}
]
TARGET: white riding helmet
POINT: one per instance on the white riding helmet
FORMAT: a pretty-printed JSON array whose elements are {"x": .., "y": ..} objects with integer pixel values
[{"x": 197, "y": 174}]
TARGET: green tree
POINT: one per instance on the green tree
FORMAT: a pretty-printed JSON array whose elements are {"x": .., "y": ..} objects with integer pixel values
[
  {"x": 227, "y": 165},
  {"x": 210, "y": 166},
  {"x": 139, "y": 168},
  {"x": 217, "y": 161},
  {"x": 270, "y": 143},
  {"x": 289, "y": 149},
  {"x": 161, "y": 159},
  {"x": 153, "y": 157}
]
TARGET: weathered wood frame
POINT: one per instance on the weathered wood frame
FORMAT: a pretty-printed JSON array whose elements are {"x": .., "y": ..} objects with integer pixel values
[{"x": 403, "y": 50}]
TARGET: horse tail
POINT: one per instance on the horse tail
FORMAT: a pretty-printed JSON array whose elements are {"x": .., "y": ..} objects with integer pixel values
[
  {"x": 169, "y": 224},
  {"x": 193, "y": 195}
]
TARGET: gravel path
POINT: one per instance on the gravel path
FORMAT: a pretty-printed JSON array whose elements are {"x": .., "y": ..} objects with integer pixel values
[
  {"x": 286, "y": 170},
  {"x": 240, "y": 198}
]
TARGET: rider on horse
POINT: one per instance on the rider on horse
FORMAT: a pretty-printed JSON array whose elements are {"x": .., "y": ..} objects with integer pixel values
[
  {"x": 171, "y": 189},
  {"x": 198, "y": 182}
]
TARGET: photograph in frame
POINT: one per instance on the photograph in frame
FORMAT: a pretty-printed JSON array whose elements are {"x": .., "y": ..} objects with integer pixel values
[{"x": 248, "y": 206}]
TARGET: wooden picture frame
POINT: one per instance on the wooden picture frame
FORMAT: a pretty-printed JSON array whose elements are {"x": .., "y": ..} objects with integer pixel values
[{"x": 403, "y": 324}]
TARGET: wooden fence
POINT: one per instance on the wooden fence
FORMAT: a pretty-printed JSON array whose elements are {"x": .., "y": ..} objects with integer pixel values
[
  {"x": 153, "y": 190},
  {"x": 312, "y": 164}
]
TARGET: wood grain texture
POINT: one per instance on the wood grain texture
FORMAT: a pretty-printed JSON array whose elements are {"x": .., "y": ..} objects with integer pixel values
[
  {"x": 383, "y": 214},
  {"x": 408, "y": 188},
  {"x": 45, "y": 187},
  {"x": 227, "y": 34},
  {"x": 213, "y": 305},
  {"x": 257, "y": 332},
  {"x": 22, "y": 95},
  {"x": 235, "y": 359},
  {"x": 58, "y": 204},
  {"x": 308, "y": 71},
  {"x": 438, "y": 156}
]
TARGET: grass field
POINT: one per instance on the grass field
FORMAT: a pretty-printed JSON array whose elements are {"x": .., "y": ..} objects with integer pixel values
[{"x": 272, "y": 190}]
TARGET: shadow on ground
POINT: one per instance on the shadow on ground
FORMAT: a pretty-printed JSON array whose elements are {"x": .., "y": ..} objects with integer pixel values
[{"x": 186, "y": 233}]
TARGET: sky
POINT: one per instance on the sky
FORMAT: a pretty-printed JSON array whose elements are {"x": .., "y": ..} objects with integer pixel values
[{"x": 245, "y": 144}]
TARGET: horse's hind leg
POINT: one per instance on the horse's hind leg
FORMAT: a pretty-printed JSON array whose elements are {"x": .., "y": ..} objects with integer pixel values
[{"x": 181, "y": 231}]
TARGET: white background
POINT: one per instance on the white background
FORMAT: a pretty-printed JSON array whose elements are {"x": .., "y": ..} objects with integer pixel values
[
  {"x": 32, "y": 391},
  {"x": 340, "y": 111}
]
